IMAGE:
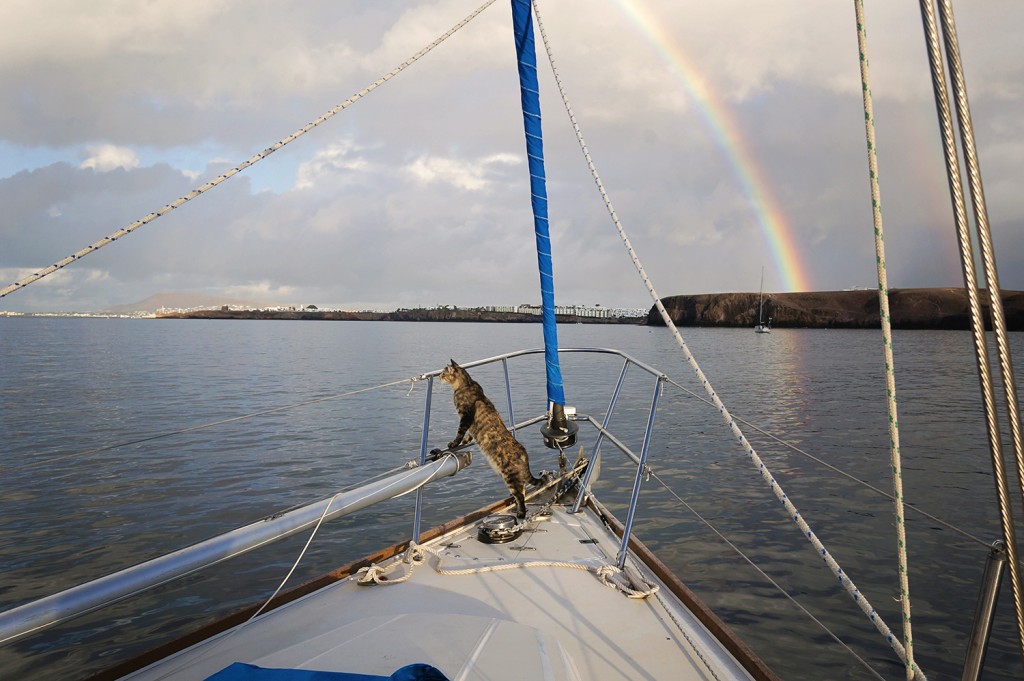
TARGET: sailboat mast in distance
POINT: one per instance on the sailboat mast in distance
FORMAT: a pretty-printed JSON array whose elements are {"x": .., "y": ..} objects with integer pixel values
[{"x": 761, "y": 327}]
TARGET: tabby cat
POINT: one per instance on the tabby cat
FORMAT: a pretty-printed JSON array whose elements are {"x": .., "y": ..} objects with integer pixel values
[{"x": 480, "y": 419}]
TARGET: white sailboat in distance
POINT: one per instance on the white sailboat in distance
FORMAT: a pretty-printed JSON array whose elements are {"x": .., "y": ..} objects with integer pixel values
[{"x": 761, "y": 326}]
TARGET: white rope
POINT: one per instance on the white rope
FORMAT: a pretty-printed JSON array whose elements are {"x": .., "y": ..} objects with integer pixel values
[
  {"x": 629, "y": 581},
  {"x": 697, "y": 650},
  {"x": 754, "y": 458},
  {"x": 218, "y": 642},
  {"x": 835, "y": 469},
  {"x": 298, "y": 559},
  {"x": 609, "y": 575},
  {"x": 376, "y": 574},
  {"x": 890, "y": 376},
  {"x": 124, "y": 231},
  {"x": 770, "y": 580}
]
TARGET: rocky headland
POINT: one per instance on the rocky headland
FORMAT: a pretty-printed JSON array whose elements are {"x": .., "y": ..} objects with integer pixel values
[{"x": 919, "y": 308}]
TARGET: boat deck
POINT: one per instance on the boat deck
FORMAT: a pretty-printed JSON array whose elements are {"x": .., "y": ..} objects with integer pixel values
[{"x": 537, "y": 622}]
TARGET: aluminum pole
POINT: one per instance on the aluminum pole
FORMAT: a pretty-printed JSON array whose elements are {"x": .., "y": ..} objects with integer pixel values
[
  {"x": 985, "y": 612},
  {"x": 78, "y": 600}
]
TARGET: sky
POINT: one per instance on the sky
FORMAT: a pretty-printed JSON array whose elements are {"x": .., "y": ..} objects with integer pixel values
[{"x": 728, "y": 135}]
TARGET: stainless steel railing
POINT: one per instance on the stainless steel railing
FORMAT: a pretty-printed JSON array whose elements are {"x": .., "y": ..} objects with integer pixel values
[
  {"x": 78, "y": 600},
  {"x": 43, "y": 613},
  {"x": 603, "y": 434}
]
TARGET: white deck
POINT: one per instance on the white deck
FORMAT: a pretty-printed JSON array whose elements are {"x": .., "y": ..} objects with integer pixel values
[{"x": 529, "y": 623}]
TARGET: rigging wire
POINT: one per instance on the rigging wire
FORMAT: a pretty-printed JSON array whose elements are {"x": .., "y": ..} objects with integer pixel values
[
  {"x": 412, "y": 383},
  {"x": 204, "y": 426},
  {"x": 835, "y": 469},
  {"x": 766, "y": 475},
  {"x": 216, "y": 643},
  {"x": 964, "y": 239},
  {"x": 764, "y": 574},
  {"x": 124, "y": 231},
  {"x": 320, "y": 521}
]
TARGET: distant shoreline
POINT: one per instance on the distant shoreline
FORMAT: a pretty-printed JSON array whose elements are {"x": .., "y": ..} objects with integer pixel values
[
  {"x": 924, "y": 308},
  {"x": 931, "y": 308},
  {"x": 412, "y": 315}
]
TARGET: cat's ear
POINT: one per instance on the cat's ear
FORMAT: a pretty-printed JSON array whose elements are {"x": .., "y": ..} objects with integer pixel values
[{"x": 453, "y": 363}]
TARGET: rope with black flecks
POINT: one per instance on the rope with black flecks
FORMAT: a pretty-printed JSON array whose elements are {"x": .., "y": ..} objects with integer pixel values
[
  {"x": 791, "y": 510},
  {"x": 883, "y": 310}
]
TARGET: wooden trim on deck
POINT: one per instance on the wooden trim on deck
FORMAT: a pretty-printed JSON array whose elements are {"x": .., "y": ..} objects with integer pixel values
[
  {"x": 212, "y": 629},
  {"x": 747, "y": 658},
  {"x": 743, "y": 654},
  {"x": 199, "y": 635}
]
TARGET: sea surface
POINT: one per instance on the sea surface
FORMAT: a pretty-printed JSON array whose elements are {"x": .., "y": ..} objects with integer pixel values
[{"x": 121, "y": 439}]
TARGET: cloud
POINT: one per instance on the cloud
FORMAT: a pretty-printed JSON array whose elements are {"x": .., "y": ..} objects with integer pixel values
[
  {"x": 262, "y": 290},
  {"x": 419, "y": 192},
  {"x": 106, "y": 157},
  {"x": 66, "y": 290},
  {"x": 463, "y": 174},
  {"x": 337, "y": 161}
]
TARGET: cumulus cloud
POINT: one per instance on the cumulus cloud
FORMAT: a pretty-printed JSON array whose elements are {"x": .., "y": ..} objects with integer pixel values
[
  {"x": 337, "y": 161},
  {"x": 263, "y": 290},
  {"x": 463, "y": 174},
  {"x": 106, "y": 157}
]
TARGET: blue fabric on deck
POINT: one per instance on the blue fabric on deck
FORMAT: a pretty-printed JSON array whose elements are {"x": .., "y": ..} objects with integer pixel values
[
  {"x": 240, "y": 671},
  {"x": 529, "y": 92}
]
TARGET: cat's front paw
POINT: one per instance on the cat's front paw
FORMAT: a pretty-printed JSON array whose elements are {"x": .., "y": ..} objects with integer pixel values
[{"x": 453, "y": 444}]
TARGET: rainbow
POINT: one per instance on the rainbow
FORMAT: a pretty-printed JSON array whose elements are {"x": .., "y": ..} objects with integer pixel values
[{"x": 727, "y": 134}]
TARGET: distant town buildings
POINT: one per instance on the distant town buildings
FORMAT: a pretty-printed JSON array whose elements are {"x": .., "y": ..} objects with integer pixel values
[
  {"x": 597, "y": 311},
  {"x": 577, "y": 310}
]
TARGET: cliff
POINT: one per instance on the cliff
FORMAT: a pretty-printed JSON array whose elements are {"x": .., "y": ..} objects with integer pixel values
[{"x": 928, "y": 308}]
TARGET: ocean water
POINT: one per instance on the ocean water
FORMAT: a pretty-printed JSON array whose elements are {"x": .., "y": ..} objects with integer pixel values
[{"x": 120, "y": 439}]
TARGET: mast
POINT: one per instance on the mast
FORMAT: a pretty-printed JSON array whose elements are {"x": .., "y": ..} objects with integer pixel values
[
  {"x": 761, "y": 327},
  {"x": 760, "y": 292},
  {"x": 559, "y": 432}
]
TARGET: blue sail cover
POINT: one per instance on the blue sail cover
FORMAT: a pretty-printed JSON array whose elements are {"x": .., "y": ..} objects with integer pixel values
[
  {"x": 240, "y": 671},
  {"x": 522, "y": 24}
]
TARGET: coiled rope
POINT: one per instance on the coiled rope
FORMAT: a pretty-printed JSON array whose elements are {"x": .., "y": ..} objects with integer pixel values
[
  {"x": 754, "y": 458},
  {"x": 124, "y": 231},
  {"x": 883, "y": 309},
  {"x": 627, "y": 581}
]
